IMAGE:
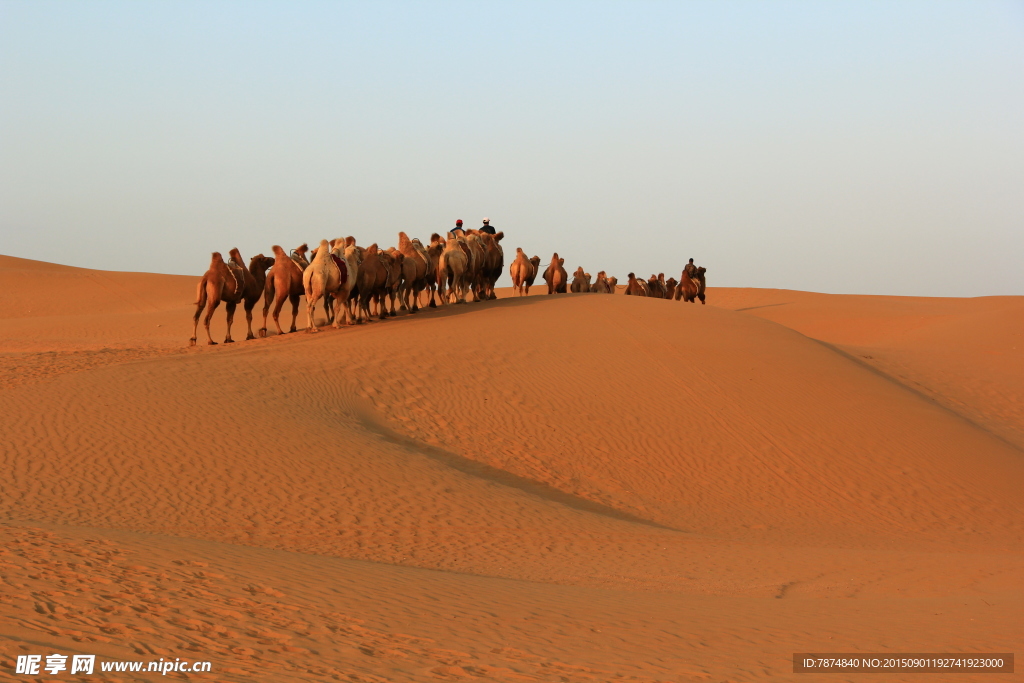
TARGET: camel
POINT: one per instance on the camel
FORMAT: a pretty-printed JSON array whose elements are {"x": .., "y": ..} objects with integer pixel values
[
  {"x": 656, "y": 286},
  {"x": 472, "y": 244},
  {"x": 414, "y": 272},
  {"x": 493, "y": 263},
  {"x": 233, "y": 284},
  {"x": 451, "y": 270},
  {"x": 433, "y": 277},
  {"x": 701, "y": 284},
  {"x": 601, "y": 284},
  {"x": 284, "y": 281},
  {"x": 613, "y": 282},
  {"x": 637, "y": 287},
  {"x": 394, "y": 261},
  {"x": 535, "y": 262},
  {"x": 373, "y": 278},
  {"x": 687, "y": 288},
  {"x": 327, "y": 276},
  {"x": 555, "y": 275},
  {"x": 670, "y": 288},
  {"x": 580, "y": 281},
  {"x": 521, "y": 270}
]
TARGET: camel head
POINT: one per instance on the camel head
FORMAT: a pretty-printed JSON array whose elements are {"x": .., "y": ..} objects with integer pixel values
[
  {"x": 535, "y": 261},
  {"x": 260, "y": 263},
  {"x": 579, "y": 272},
  {"x": 561, "y": 262},
  {"x": 701, "y": 270}
]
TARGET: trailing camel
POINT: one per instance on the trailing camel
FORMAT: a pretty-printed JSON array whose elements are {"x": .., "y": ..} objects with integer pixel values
[
  {"x": 613, "y": 282},
  {"x": 284, "y": 282},
  {"x": 601, "y": 284},
  {"x": 555, "y": 275},
  {"x": 233, "y": 284}
]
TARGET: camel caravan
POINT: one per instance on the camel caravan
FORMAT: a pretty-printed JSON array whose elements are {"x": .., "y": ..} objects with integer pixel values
[{"x": 356, "y": 284}]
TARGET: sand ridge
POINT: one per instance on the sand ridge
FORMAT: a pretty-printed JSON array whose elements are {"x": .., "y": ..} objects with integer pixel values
[{"x": 577, "y": 450}]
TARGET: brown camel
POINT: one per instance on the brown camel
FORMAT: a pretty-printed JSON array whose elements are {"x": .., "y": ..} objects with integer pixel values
[
  {"x": 670, "y": 288},
  {"x": 231, "y": 283},
  {"x": 434, "y": 251},
  {"x": 636, "y": 287},
  {"x": 613, "y": 282},
  {"x": 473, "y": 245},
  {"x": 394, "y": 261},
  {"x": 701, "y": 284},
  {"x": 521, "y": 270},
  {"x": 601, "y": 284},
  {"x": 493, "y": 263},
  {"x": 535, "y": 262},
  {"x": 656, "y": 287},
  {"x": 687, "y": 288},
  {"x": 284, "y": 282},
  {"x": 580, "y": 281},
  {"x": 414, "y": 272},
  {"x": 555, "y": 275},
  {"x": 373, "y": 278}
]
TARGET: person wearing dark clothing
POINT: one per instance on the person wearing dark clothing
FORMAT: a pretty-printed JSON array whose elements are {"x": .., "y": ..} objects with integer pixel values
[
  {"x": 486, "y": 227},
  {"x": 690, "y": 270}
]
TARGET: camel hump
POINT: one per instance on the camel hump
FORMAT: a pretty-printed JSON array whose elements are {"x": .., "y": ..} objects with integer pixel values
[
  {"x": 519, "y": 250},
  {"x": 236, "y": 255},
  {"x": 216, "y": 258},
  {"x": 278, "y": 251},
  {"x": 372, "y": 249},
  {"x": 498, "y": 236}
]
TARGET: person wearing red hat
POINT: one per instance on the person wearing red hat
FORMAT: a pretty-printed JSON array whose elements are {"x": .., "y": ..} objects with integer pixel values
[{"x": 458, "y": 228}]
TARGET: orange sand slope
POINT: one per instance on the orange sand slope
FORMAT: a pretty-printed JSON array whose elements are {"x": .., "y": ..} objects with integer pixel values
[{"x": 609, "y": 486}]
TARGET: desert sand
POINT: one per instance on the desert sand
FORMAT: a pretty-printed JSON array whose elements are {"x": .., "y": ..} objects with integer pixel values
[{"x": 567, "y": 488}]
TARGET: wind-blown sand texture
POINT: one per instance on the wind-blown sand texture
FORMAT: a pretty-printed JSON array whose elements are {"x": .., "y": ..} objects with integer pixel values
[{"x": 564, "y": 488}]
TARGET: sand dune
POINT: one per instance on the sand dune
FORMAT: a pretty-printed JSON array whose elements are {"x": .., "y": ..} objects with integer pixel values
[{"x": 566, "y": 488}]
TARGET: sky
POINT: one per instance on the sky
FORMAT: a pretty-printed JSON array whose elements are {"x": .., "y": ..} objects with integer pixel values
[{"x": 845, "y": 147}]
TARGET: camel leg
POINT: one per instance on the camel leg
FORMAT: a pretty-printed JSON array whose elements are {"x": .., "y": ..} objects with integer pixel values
[
  {"x": 230, "y": 306},
  {"x": 213, "y": 301},
  {"x": 266, "y": 314},
  {"x": 248, "y": 320},
  {"x": 279, "y": 299},
  {"x": 311, "y": 313},
  {"x": 295, "y": 311},
  {"x": 195, "y": 320}
]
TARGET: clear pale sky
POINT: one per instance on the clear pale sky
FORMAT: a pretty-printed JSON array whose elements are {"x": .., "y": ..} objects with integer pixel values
[{"x": 862, "y": 147}]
